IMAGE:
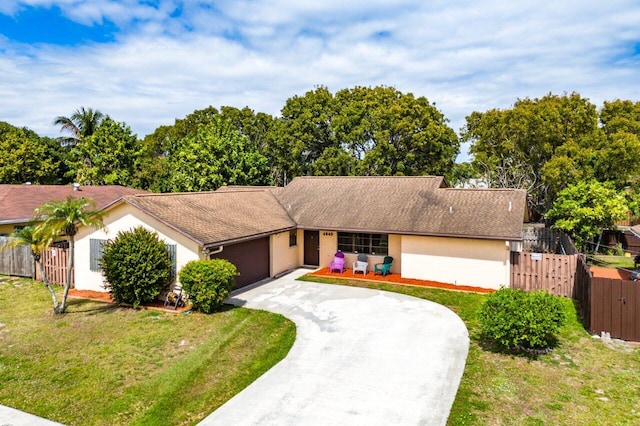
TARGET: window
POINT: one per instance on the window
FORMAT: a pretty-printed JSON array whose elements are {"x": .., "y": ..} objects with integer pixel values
[
  {"x": 293, "y": 238},
  {"x": 95, "y": 249},
  {"x": 171, "y": 248},
  {"x": 351, "y": 242}
]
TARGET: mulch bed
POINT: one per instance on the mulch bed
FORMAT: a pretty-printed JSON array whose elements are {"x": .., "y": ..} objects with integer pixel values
[
  {"x": 617, "y": 274},
  {"x": 100, "y": 296},
  {"x": 397, "y": 279}
]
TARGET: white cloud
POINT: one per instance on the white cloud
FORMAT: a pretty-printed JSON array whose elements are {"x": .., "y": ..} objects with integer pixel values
[{"x": 464, "y": 56}]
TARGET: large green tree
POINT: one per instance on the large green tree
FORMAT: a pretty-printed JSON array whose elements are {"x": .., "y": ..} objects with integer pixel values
[
  {"x": 215, "y": 155},
  {"x": 61, "y": 218},
  {"x": 587, "y": 208},
  {"x": 363, "y": 131},
  {"x": 27, "y": 157},
  {"x": 512, "y": 146},
  {"x": 110, "y": 156}
]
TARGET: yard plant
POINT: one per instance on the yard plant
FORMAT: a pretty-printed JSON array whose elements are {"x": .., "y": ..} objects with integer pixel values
[
  {"x": 136, "y": 266},
  {"x": 208, "y": 282},
  {"x": 515, "y": 319},
  {"x": 126, "y": 366}
]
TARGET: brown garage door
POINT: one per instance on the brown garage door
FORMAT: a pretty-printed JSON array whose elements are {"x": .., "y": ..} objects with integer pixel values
[{"x": 251, "y": 258}]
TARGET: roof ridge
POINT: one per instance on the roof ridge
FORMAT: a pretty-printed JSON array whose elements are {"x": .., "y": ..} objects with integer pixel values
[
  {"x": 484, "y": 189},
  {"x": 369, "y": 177},
  {"x": 166, "y": 194}
]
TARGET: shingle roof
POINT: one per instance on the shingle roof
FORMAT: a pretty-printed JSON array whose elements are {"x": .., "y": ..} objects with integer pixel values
[
  {"x": 237, "y": 188},
  {"x": 17, "y": 202},
  {"x": 411, "y": 205},
  {"x": 213, "y": 218}
]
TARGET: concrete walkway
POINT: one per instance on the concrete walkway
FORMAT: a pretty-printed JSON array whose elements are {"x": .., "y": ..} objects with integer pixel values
[
  {"x": 360, "y": 357},
  {"x": 12, "y": 417}
]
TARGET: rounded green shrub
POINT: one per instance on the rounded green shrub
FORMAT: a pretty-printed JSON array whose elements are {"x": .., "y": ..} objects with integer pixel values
[
  {"x": 515, "y": 319},
  {"x": 136, "y": 266},
  {"x": 208, "y": 282}
]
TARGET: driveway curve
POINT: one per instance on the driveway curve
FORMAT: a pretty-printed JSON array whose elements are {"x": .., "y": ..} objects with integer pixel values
[{"x": 360, "y": 357}]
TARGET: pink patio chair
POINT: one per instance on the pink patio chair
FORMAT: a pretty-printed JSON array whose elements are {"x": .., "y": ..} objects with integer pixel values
[{"x": 337, "y": 263}]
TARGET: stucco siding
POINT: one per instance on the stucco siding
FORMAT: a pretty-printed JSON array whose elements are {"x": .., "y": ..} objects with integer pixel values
[
  {"x": 460, "y": 261},
  {"x": 328, "y": 247},
  {"x": 124, "y": 218},
  {"x": 6, "y": 229},
  {"x": 283, "y": 257}
]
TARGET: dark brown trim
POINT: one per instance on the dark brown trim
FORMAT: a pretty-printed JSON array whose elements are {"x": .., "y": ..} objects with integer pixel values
[
  {"x": 247, "y": 238},
  {"x": 421, "y": 234}
]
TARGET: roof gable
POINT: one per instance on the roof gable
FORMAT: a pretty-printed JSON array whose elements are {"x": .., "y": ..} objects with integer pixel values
[{"x": 214, "y": 218}]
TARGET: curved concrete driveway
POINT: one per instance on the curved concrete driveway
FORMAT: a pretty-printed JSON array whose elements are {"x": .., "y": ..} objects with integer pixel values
[{"x": 360, "y": 357}]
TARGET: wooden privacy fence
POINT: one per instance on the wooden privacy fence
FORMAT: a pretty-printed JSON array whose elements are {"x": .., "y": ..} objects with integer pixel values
[
  {"x": 54, "y": 260},
  {"x": 16, "y": 260},
  {"x": 547, "y": 240},
  {"x": 554, "y": 273},
  {"x": 615, "y": 308},
  {"x": 582, "y": 290}
]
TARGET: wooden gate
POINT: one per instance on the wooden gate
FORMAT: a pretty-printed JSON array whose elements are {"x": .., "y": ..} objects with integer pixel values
[
  {"x": 554, "y": 273},
  {"x": 615, "y": 308},
  {"x": 54, "y": 260},
  {"x": 17, "y": 260}
]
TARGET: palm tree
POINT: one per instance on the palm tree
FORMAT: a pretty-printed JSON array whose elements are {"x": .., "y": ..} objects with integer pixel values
[
  {"x": 38, "y": 242},
  {"x": 82, "y": 123},
  {"x": 62, "y": 218}
]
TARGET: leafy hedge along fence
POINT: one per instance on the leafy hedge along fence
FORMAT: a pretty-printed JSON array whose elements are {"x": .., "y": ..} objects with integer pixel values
[{"x": 549, "y": 261}]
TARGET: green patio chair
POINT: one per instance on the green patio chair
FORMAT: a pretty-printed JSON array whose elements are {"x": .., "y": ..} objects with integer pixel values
[{"x": 383, "y": 268}]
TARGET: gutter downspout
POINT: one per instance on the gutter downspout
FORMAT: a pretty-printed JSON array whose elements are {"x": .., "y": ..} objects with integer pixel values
[{"x": 208, "y": 253}]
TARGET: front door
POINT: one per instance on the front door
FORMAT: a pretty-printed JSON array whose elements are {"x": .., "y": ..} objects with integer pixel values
[{"x": 312, "y": 248}]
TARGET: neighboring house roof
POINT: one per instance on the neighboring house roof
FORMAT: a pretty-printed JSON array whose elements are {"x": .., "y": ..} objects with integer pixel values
[
  {"x": 236, "y": 188},
  {"x": 420, "y": 205},
  {"x": 17, "y": 202},
  {"x": 635, "y": 230},
  {"x": 217, "y": 218}
]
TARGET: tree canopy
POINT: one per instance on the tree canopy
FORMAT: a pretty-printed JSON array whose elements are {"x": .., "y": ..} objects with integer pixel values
[
  {"x": 109, "y": 156},
  {"x": 82, "y": 123},
  {"x": 546, "y": 145},
  {"x": 216, "y": 154},
  {"x": 587, "y": 208},
  {"x": 363, "y": 131},
  {"x": 27, "y": 157}
]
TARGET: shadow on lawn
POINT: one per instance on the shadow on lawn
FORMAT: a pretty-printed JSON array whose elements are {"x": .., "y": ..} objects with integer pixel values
[
  {"x": 489, "y": 345},
  {"x": 82, "y": 306}
]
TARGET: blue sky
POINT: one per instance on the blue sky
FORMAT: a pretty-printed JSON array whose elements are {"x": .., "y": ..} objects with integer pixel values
[{"x": 150, "y": 62}]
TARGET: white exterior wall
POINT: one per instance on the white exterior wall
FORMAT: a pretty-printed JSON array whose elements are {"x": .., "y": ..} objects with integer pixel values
[
  {"x": 124, "y": 217},
  {"x": 460, "y": 261},
  {"x": 283, "y": 257}
]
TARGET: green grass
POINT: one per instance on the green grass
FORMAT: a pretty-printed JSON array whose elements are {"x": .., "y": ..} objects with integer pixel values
[
  {"x": 583, "y": 381},
  {"x": 610, "y": 261},
  {"x": 104, "y": 365}
]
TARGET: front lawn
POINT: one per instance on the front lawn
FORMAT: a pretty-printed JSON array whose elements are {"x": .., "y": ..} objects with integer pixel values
[
  {"x": 104, "y": 365},
  {"x": 583, "y": 381}
]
